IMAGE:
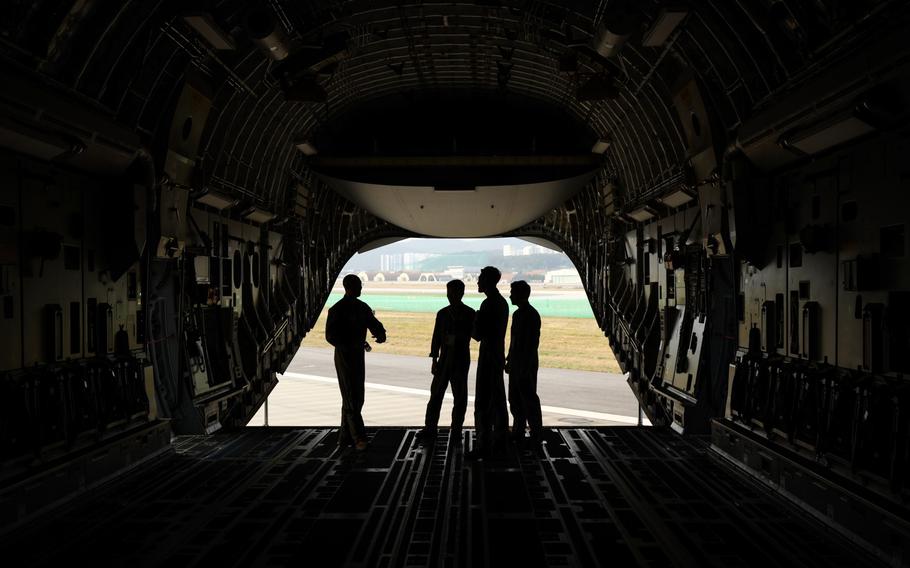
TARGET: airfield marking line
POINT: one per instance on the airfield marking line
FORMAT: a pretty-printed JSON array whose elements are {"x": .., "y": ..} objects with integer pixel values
[{"x": 425, "y": 393}]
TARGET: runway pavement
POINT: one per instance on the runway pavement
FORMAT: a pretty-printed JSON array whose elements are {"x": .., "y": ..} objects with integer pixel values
[{"x": 398, "y": 390}]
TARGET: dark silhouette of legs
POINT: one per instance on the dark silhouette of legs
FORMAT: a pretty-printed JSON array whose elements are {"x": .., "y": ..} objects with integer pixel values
[
  {"x": 516, "y": 407},
  {"x": 437, "y": 392},
  {"x": 459, "y": 382},
  {"x": 530, "y": 403},
  {"x": 349, "y": 365}
]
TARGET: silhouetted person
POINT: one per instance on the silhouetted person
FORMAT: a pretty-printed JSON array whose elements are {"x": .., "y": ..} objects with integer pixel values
[
  {"x": 522, "y": 364},
  {"x": 490, "y": 414},
  {"x": 346, "y": 329},
  {"x": 450, "y": 350}
]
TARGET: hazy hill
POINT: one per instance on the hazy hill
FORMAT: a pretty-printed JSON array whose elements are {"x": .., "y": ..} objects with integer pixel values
[{"x": 470, "y": 253}]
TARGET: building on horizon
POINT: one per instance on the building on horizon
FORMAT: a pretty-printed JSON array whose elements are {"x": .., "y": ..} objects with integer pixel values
[
  {"x": 563, "y": 277},
  {"x": 527, "y": 250},
  {"x": 397, "y": 262}
]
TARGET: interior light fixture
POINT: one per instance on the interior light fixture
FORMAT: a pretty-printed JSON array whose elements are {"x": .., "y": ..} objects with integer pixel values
[
  {"x": 641, "y": 214},
  {"x": 601, "y": 146},
  {"x": 204, "y": 25},
  {"x": 666, "y": 22},
  {"x": 676, "y": 198},
  {"x": 258, "y": 215},
  {"x": 829, "y": 133},
  {"x": 307, "y": 147},
  {"x": 216, "y": 199}
]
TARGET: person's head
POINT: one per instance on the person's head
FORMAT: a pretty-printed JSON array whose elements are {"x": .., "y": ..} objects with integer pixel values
[
  {"x": 520, "y": 292},
  {"x": 488, "y": 279},
  {"x": 352, "y": 285},
  {"x": 455, "y": 291}
]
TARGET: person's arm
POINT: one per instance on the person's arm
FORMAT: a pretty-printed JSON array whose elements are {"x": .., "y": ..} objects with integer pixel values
[
  {"x": 534, "y": 332},
  {"x": 375, "y": 326},
  {"x": 330, "y": 324},
  {"x": 515, "y": 342},
  {"x": 436, "y": 341},
  {"x": 477, "y": 330}
]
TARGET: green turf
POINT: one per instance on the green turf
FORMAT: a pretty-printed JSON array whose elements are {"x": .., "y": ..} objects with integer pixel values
[{"x": 421, "y": 303}]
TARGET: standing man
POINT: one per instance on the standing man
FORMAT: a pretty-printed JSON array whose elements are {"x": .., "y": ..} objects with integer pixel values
[
  {"x": 490, "y": 414},
  {"x": 450, "y": 350},
  {"x": 521, "y": 364},
  {"x": 346, "y": 329}
]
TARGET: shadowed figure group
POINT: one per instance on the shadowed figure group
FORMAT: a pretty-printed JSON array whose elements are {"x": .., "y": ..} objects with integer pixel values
[{"x": 455, "y": 326}]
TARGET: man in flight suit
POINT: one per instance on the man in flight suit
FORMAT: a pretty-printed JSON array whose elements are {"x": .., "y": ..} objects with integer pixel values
[
  {"x": 346, "y": 329},
  {"x": 521, "y": 365},
  {"x": 490, "y": 414},
  {"x": 450, "y": 350}
]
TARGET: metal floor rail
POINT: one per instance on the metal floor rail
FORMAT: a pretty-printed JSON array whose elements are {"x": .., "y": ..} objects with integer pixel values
[{"x": 610, "y": 496}]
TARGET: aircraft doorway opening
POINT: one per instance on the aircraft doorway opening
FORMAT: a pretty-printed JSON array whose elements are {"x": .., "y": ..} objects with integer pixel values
[{"x": 579, "y": 381}]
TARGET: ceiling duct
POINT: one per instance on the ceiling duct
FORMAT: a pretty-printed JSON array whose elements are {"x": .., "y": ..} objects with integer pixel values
[
  {"x": 612, "y": 34},
  {"x": 266, "y": 32}
]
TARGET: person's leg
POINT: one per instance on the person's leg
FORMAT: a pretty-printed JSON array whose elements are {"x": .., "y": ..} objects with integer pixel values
[
  {"x": 459, "y": 382},
  {"x": 357, "y": 385},
  {"x": 437, "y": 393},
  {"x": 516, "y": 407},
  {"x": 345, "y": 433},
  {"x": 531, "y": 403},
  {"x": 498, "y": 409},
  {"x": 482, "y": 398}
]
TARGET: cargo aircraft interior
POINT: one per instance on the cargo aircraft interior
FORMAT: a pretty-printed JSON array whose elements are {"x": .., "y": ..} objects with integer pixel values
[{"x": 181, "y": 184}]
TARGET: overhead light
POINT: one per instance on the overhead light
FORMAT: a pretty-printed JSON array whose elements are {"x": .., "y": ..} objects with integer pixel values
[
  {"x": 258, "y": 215},
  {"x": 216, "y": 199},
  {"x": 676, "y": 199},
  {"x": 829, "y": 133},
  {"x": 205, "y": 26},
  {"x": 641, "y": 214},
  {"x": 307, "y": 147},
  {"x": 666, "y": 22},
  {"x": 601, "y": 146}
]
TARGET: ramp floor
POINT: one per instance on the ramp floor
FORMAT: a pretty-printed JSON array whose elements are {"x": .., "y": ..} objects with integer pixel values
[{"x": 609, "y": 496}]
